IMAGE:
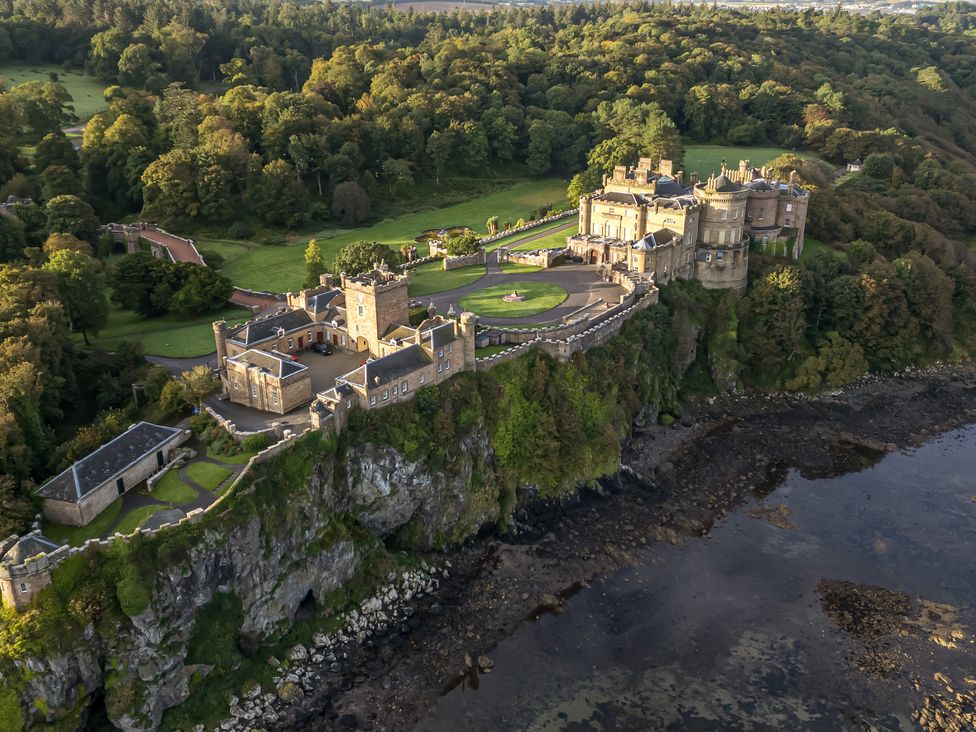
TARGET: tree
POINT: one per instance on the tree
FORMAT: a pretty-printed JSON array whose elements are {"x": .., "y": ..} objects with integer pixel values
[
  {"x": 169, "y": 188},
  {"x": 136, "y": 65},
  {"x": 362, "y": 256},
  {"x": 198, "y": 383},
  {"x": 279, "y": 198},
  {"x": 81, "y": 284},
  {"x": 59, "y": 180},
  {"x": 16, "y": 510},
  {"x": 397, "y": 173},
  {"x": 837, "y": 362},
  {"x": 610, "y": 153},
  {"x": 314, "y": 266},
  {"x": 70, "y": 215},
  {"x": 142, "y": 283},
  {"x": 66, "y": 243},
  {"x": 200, "y": 290},
  {"x": 491, "y": 225},
  {"x": 56, "y": 149},
  {"x": 879, "y": 166},
  {"x": 350, "y": 203},
  {"x": 11, "y": 239}
]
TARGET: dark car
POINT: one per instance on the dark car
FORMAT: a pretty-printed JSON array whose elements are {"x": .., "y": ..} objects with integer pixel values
[{"x": 324, "y": 348}]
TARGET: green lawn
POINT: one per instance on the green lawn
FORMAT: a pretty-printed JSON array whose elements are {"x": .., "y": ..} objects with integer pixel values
[
  {"x": 135, "y": 518},
  {"x": 430, "y": 278},
  {"x": 707, "y": 159},
  {"x": 540, "y": 297},
  {"x": 238, "y": 459},
  {"x": 207, "y": 475},
  {"x": 78, "y": 535},
  {"x": 811, "y": 246},
  {"x": 86, "y": 91},
  {"x": 552, "y": 241},
  {"x": 514, "y": 238},
  {"x": 515, "y": 268},
  {"x": 166, "y": 335},
  {"x": 491, "y": 350},
  {"x": 172, "y": 489},
  {"x": 281, "y": 267}
]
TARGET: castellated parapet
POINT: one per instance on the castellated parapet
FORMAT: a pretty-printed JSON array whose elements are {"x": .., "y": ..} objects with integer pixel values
[{"x": 22, "y": 577}]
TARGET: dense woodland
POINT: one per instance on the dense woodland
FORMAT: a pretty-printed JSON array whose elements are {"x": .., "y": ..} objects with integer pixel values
[{"x": 295, "y": 113}]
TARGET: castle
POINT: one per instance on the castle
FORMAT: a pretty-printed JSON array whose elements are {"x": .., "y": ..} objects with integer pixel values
[
  {"x": 652, "y": 224},
  {"x": 369, "y": 314}
]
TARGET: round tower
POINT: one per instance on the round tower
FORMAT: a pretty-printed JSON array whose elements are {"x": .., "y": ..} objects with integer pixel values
[
  {"x": 469, "y": 328},
  {"x": 722, "y": 256},
  {"x": 220, "y": 339}
]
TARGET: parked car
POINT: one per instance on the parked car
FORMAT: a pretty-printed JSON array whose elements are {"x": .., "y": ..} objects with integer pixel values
[{"x": 324, "y": 348}]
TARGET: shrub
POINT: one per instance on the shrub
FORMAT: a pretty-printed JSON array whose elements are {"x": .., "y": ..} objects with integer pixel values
[
  {"x": 10, "y": 710},
  {"x": 256, "y": 443},
  {"x": 240, "y": 230},
  {"x": 133, "y": 597}
]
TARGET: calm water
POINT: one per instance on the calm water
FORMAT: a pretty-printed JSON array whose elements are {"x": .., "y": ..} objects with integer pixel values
[{"x": 751, "y": 628}]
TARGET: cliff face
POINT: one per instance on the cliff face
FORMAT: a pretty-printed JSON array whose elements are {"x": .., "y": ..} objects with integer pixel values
[{"x": 271, "y": 563}]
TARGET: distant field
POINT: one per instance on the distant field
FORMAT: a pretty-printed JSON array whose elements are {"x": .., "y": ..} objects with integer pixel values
[
  {"x": 85, "y": 90},
  {"x": 707, "y": 159},
  {"x": 441, "y": 6},
  {"x": 166, "y": 335},
  {"x": 281, "y": 268}
]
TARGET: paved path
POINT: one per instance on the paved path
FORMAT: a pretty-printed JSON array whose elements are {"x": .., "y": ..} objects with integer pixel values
[{"x": 136, "y": 499}]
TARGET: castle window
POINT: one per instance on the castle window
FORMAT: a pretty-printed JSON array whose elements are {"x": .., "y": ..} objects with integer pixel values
[
  {"x": 422, "y": 379},
  {"x": 440, "y": 367},
  {"x": 309, "y": 335},
  {"x": 719, "y": 256},
  {"x": 361, "y": 310},
  {"x": 274, "y": 397},
  {"x": 291, "y": 344},
  {"x": 386, "y": 394},
  {"x": 254, "y": 390},
  {"x": 789, "y": 207},
  {"x": 762, "y": 213},
  {"x": 725, "y": 214},
  {"x": 237, "y": 383},
  {"x": 403, "y": 387},
  {"x": 23, "y": 587},
  {"x": 440, "y": 353},
  {"x": 448, "y": 364},
  {"x": 450, "y": 347},
  {"x": 708, "y": 257},
  {"x": 372, "y": 399}
]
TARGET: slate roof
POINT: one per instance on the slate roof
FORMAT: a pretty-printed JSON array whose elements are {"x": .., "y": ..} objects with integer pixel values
[
  {"x": 667, "y": 187},
  {"x": 655, "y": 239},
  {"x": 29, "y": 546},
  {"x": 273, "y": 364},
  {"x": 631, "y": 199},
  {"x": 724, "y": 185},
  {"x": 389, "y": 368},
  {"x": 107, "y": 462},
  {"x": 257, "y": 331},
  {"x": 324, "y": 301},
  {"x": 437, "y": 334}
]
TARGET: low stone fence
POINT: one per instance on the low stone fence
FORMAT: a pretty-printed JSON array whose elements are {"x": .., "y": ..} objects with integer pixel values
[
  {"x": 529, "y": 226},
  {"x": 417, "y": 262},
  {"x": 280, "y": 296},
  {"x": 544, "y": 258},
  {"x": 275, "y": 430},
  {"x": 467, "y": 260},
  {"x": 43, "y": 564},
  {"x": 596, "y": 332},
  {"x": 564, "y": 330}
]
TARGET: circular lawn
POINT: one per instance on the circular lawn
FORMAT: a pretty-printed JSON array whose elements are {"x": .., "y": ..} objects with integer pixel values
[{"x": 539, "y": 297}]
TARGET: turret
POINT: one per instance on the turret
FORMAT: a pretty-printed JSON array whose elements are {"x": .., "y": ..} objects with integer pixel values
[
  {"x": 469, "y": 328},
  {"x": 220, "y": 339}
]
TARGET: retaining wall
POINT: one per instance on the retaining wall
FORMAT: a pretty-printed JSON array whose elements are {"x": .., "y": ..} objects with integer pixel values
[{"x": 479, "y": 257}]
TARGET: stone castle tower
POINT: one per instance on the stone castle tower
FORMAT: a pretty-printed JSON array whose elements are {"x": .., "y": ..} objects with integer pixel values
[
  {"x": 375, "y": 302},
  {"x": 722, "y": 258}
]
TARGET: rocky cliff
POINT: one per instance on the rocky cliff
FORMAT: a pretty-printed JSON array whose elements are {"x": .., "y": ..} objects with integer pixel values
[{"x": 282, "y": 540}]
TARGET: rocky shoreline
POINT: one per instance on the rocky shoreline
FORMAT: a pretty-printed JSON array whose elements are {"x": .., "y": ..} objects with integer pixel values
[{"x": 674, "y": 484}]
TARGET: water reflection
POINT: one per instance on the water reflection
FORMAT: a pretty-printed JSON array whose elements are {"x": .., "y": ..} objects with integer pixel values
[{"x": 832, "y": 603}]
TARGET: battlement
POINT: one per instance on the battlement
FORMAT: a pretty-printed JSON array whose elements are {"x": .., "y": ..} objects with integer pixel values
[{"x": 379, "y": 279}]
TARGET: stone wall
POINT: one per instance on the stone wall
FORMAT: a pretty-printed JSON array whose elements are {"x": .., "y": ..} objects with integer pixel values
[
  {"x": 275, "y": 430},
  {"x": 479, "y": 257},
  {"x": 544, "y": 258},
  {"x": 529, "y": 226}
]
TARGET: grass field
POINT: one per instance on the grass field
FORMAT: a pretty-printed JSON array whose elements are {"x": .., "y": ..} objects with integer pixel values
[
  {"x": 173, "y": 490},
  {"x": 86, "y": 91},
  {"x": 136, "y": 517},
  {"x": 540, "y": 297},
  {"x": 281, "y": 268},
  {"x": 516, "y": 268},
  {"x": 707, "y": 159},
  {"x": 207, "y": 475},
  {"x": 78, "y": 535},
  {"x": 524, "y": 234},
  {"x": 430, "y": 278},
  {"x": 552, "y": 241},
  {"x": 166, "y": 335},
  {"x": 238, "y": 459},
  {"x": 813, "y": 246}
]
